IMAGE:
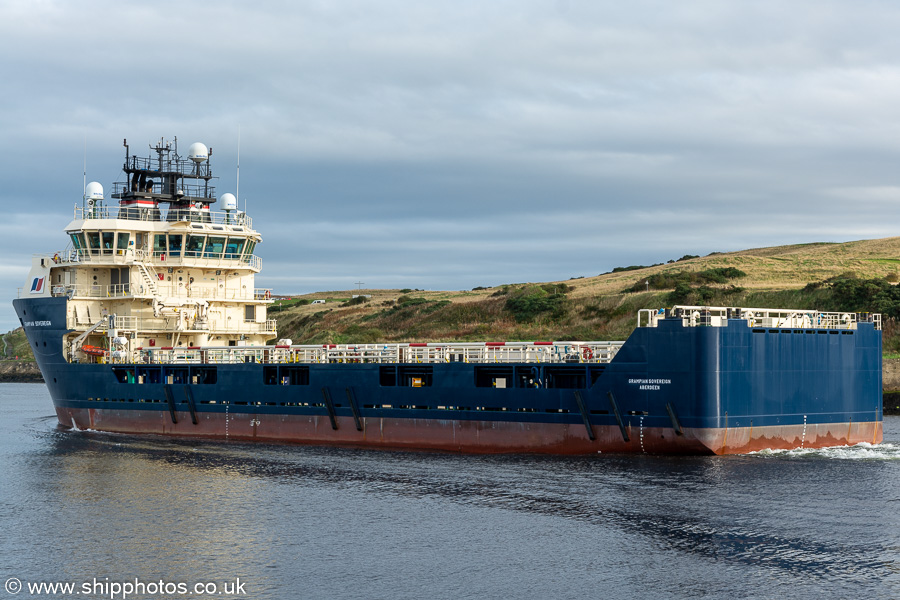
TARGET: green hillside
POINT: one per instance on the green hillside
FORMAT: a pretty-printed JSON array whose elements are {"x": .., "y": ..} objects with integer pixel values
[
  {"x": 15, "y": 345},
  {"x": 853, "y": 277}
]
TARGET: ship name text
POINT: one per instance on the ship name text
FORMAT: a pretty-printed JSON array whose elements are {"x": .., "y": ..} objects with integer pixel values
[{"x": 649, "y": 384}]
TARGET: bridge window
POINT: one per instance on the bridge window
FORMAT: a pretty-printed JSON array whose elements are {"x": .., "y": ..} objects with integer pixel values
[
  {"x": 250, "y": 246},
  {"x": 93, "y": 238},
  {"x": 78, "y": 241},
  {"x": 234, "y": 247},
  {"x": 175, "y": 245},
  {"x": 214, "y": 247},
  {"x": 122, "y": 241},
  {"x": 194, "y": 246},
  {"x": 108, "y": 241}
]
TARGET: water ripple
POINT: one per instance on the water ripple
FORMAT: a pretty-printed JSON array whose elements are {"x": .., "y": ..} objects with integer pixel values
[{"x": 861, "y": 451}]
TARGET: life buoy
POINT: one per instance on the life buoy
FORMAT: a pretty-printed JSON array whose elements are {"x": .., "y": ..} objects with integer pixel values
[
  {"x": 587, "y": 353},
  {"x": 93, "y": 350},
  {"x": 56, "y": 258}
]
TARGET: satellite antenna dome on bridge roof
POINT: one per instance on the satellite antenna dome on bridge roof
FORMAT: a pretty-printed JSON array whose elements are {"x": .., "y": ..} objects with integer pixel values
[
  {"x": 228, "y": 201},
  {"x": 93, "y": 191},
  {"x": 198, "y": 152}
]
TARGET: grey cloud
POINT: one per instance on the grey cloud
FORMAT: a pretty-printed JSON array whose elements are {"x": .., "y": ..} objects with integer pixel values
[{"x": 464, "y": 143}]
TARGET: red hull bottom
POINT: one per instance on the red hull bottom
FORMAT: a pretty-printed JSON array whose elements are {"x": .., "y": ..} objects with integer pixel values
[{"x": 484, "y": 437}]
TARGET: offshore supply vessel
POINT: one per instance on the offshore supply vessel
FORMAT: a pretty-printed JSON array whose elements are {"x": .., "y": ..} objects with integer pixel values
[{"x": 149, "y": 322}]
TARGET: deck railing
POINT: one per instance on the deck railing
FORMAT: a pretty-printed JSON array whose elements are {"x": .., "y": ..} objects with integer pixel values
[
  {"x": 138, "y": 290},
  {"x": 162, "y": 326},
  {"x": 164, "y": 214},
  {"x": 70, "y": 256},
  {"x": 482, "y": 353},
  {"x": 718, "y": 316}
]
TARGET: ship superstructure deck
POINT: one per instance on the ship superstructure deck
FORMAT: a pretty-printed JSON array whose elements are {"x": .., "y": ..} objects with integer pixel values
[{"x": 160, "y": 269}]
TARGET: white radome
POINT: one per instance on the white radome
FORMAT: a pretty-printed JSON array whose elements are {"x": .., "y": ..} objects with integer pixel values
[
  {"x": 229, "y": 202},
  {"x": 198, "y": 152},
  {"x": 93, "y": 191}
]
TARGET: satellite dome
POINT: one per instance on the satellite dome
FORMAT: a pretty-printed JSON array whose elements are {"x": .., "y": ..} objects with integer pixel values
[
  {"x": 229, "y": 202},
  {"x": 198, "y": 152},
  {"x": 93, "y": 191}
]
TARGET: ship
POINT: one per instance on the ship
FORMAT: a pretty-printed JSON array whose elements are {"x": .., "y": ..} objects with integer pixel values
[{"x": 149, "y": 322}]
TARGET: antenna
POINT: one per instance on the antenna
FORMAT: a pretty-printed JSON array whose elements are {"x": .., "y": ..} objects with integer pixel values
[
  {"x": 84, "y": 176},
  {"x": 237, "y": 191}
]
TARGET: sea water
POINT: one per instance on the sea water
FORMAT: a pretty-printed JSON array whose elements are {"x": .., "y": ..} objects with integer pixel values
[{"x": 119, "y": 516}]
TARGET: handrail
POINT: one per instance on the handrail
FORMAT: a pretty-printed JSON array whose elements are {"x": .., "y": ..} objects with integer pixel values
[
  {"x": 155, "y": 326},
  {"x": 160, "y": 259},
  {"x": 479, "y": 353},
  {"x": 164, "y": 214},
  {"x": 718, "y": 316}
]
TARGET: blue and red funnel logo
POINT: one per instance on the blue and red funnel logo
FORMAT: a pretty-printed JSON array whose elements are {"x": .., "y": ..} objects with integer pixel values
[{"x": 37, "y": 285}]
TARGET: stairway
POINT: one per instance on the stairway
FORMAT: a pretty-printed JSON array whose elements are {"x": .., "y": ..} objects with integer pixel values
[{"x": 148, "y": 279}]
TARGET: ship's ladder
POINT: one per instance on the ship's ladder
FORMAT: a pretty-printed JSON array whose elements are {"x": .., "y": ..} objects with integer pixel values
[{"x": 149, "y": 278}]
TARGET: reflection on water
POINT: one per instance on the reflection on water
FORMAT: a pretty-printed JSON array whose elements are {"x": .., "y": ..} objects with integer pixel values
[{"x": 391, "y": 524}]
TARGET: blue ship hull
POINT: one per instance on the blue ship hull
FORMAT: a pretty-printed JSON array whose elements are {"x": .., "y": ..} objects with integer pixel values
[{"x": 670, "y": 389}]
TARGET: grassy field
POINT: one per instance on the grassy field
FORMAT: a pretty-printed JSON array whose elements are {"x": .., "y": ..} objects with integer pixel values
[{"x": 597, "y": 307}]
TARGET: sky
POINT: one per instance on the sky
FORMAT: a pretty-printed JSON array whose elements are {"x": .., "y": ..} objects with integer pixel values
[{"x": 455, "y": 144}]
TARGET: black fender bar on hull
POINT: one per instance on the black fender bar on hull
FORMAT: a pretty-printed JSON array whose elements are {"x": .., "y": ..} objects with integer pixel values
[
  {"x": 171, "y": 402},
  {"x": 329, "y": 406},
  {"x": 189, "y": 396},
  {"x": 585, "y": 416},
  {"x": 615, "y": 408},
  {"x": 351, "y": 397}
]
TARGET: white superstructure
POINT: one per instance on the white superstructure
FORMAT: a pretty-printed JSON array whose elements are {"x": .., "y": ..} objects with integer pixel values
[{"x": 171, "y": 273}]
